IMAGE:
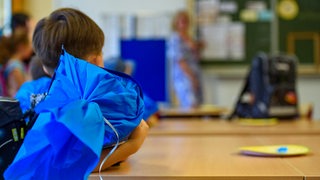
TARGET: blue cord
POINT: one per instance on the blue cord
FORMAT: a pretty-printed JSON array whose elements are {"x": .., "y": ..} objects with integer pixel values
[{"x": 112, "y": 150}]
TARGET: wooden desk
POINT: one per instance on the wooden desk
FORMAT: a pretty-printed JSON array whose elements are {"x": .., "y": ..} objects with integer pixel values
[
  {"x": 221, "y": 127},
  {"x": 205, "y": 111},
  {"x": 216, "y": 157}
]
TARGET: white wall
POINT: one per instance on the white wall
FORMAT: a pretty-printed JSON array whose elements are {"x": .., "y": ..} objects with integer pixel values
[
  {"x": 106, "y": 13},
  {"x": 38, "y": 8},
  {"x": 94, "y": 8}
]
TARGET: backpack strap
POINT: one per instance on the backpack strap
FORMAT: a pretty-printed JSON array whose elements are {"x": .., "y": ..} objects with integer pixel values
[
  {"x": 265, "y": 67},
  {"x": 245, "y": 88},
  {"x": 262, "y": 59}
]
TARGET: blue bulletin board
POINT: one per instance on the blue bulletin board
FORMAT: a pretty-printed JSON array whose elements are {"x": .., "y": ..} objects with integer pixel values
[{"x": 150, "y": 65}]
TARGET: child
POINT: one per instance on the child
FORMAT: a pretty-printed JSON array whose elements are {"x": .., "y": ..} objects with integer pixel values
[
  {"x": 18, "y": 48},
  {"x": 83, "y": 99},
  {"x": 22, "y": 22}
]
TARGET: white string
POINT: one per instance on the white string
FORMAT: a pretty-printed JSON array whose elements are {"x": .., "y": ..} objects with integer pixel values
[
  {"x": 112, "y": 150},
  {"x": 10, "y": 140}
]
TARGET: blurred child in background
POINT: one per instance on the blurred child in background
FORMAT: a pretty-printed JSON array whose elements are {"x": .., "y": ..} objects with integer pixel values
[
  {"x": 22, "y": 23},
  {"x": 14, "y": 50}
]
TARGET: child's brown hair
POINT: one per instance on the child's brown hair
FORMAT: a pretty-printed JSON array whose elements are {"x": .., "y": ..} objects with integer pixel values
[{"x": 70, "y": 28}]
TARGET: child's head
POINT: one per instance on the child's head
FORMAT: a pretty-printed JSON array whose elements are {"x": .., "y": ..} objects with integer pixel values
[
  {"x": 72, "y": 29},
  {"x": 20, "y": 22}
]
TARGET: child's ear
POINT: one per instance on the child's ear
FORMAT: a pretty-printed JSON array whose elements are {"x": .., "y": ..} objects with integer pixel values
[
  {"x": 47, "y": 71},
  {"x": 95, "y": 59}
]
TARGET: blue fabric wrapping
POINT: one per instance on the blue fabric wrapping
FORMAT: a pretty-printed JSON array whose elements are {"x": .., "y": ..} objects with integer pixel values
[
  {"x": 68, "y": 136},
  {"x": 117, "y": 64},
  {"x": 151, "y": 107}
]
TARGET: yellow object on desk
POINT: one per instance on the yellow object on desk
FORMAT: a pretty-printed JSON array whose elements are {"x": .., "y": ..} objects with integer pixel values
[
  {"x": 258, "y": 122},
  {"x": 274, "y": 150}
]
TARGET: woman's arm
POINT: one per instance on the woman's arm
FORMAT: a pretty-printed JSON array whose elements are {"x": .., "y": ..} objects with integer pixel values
[
  {"x": 186, "y": 69},
  {"x": 131, "y": 146}
]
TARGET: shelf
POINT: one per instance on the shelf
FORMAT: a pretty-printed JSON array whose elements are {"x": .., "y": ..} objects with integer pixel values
[{"x": 240, "y": 71}]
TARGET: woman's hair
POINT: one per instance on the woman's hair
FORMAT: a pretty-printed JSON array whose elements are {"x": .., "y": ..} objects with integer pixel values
[
  {"x": 176, "y": 18},
  {"x": 9, "y": 45},
  {"x": 70, "y": 28}
]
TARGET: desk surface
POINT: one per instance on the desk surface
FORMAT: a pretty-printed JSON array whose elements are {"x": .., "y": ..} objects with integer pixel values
[
  {"x": 204, "y": 111},
  {"x": 216, "y": 157},
  {"x": 221, "y": 127}
]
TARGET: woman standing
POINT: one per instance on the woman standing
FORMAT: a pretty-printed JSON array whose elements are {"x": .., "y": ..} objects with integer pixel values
[{"x": 183, "y": 52}]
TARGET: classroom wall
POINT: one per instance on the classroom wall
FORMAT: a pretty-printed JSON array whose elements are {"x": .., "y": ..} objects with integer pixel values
[
  {"x": 122, "y": 6},
  {"x": 38, "y": 8},
  {"x": 94, "y": 8}
]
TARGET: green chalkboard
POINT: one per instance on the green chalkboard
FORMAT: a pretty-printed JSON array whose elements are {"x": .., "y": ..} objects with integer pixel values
[
  {"x": 307, "y": 20},
  {"x": 258, "y": 34}
]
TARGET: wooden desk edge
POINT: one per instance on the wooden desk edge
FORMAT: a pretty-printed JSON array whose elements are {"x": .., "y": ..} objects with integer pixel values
[
  {"x": 124, "y": 177},
  {"x": 203, "y": 133}
]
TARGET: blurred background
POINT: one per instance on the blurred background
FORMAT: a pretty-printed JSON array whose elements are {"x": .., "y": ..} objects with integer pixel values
[{"x": 233, "y": 32}]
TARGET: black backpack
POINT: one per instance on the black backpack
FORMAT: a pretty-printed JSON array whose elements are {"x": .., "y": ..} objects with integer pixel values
[
  {"x": 269, "y": 90},
  {"x": 12, "y": 131}
]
